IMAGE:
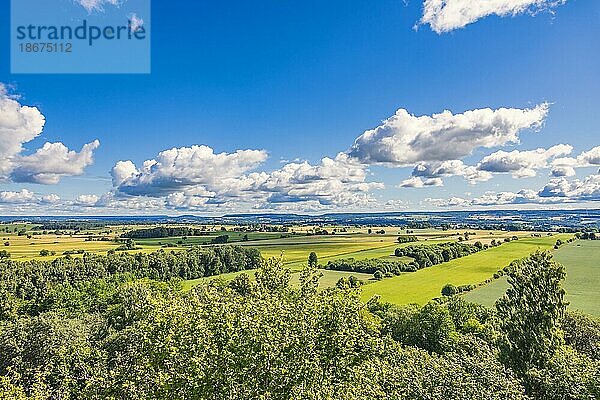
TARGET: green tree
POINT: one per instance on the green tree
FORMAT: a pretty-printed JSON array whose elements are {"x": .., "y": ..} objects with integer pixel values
[
  {"x": 313, "y": 260},
  {"x": 449, "y": 290},
  {"x": 531, "y": 311},
  {"x": 429, "y": 327}
]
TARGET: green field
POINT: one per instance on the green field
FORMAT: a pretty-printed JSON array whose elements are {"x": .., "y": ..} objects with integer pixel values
[
  {"x": 202, "y": 240},
  {"x": 295, "y": 250},
  {"x": 426, "y": 284},
  {"x": 582, "y": 262}
]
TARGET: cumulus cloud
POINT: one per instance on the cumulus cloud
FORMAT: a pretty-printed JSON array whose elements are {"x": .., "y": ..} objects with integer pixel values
[
  {"x": 406, "y": 139},
  {"x": 589, "y": 158},
  {"x": 23, "y": 196},
  {"x": 87, "y": 200},
  {"x": 557, "y": 191},
  {"x": 502, "y": 198},
  {"x": 489, "y": 199},
  {"x": 50, "y": 199},
  {"x": 450, "y": 202},
  {"x": 522, "y": 164},
  {"x": 335, "y": 181},
  {"x": 565, "y": 166},
  {"x": 20, "y": 124},
  {"x": 136, "y": 203},
  {"x": 196, "y": 178},
  {"x": 185, "y": 167},
  {"x": 587, "y": 189},
  {"x": 53, "y": 161},
  {"x": 417, "y": 182},
  {"x": 448, "y": 15},
  {"x": 451, "y": 168}
]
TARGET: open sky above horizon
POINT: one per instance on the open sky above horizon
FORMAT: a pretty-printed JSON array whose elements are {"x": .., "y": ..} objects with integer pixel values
[{"x": 316, "y": 106}]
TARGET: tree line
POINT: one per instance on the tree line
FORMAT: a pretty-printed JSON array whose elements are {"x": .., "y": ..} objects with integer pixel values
[
  {"x": 371, "y": 266},
  {"x": 407, "y": 239},
  {"x": 164, "y": 231},
  {"x": 428, "y": 255},
  {"x": 26, "y": 286}
]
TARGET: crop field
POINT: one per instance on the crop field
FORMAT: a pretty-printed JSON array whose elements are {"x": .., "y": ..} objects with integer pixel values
[
  {"x": 205, "y": 240},
  {"x": 23, "y": 248},
  {"x": 295, "y": 246},
  {"x": 423, "y": 285},
  {"x": 582, "y": 262},
  {"x": 359, "y": 245}
]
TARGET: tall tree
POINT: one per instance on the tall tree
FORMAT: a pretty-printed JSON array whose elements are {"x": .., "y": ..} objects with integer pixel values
[
  {"x": 313, "y": 260},
  {"x": 531, "y": 311}
]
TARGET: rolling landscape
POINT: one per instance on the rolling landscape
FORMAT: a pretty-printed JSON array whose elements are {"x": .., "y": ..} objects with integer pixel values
[
  {"x": 452, "y": 274},
  {"x": 285, "y": 200}
]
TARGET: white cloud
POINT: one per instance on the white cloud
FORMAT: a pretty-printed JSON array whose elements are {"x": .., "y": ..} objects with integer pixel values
[
  {"x": 406, "y": 139},
  {"x": 587, "y": 189},
  {"x": 450, "y": 202},
  {"x": 87, "y": 200},
  {"x": 565, "y": 166},
  {"x": 557, "y": 191},
  {"x": 53, "y": 161},
  {"x": 490, "y": 199},
  {"x": 50, "y": 199},
  {"x": 522, "y": 164},
  {"x": 18, "y": 125},
  {"x": 589, "y": 158},
  {"x": 417, "y": 182},
  {"x": 119, "y": 203},
  {"x": 451, "y": 168},
  {"x": 197, "y": 178},
  {"x": 340, "y": 181},
  {"x": 448, "y": 15},
  {"x": 185, "y": 167},
  {"x": 24, "y": 196},
  {"x": 122, "y": 171},
  {"x": 395, "y": 204}
]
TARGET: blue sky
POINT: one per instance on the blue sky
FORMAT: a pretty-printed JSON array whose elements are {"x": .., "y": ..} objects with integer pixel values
[{"x": 302, "y": 81}]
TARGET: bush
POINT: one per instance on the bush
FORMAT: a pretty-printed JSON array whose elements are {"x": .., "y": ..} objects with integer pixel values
[{"x": 449, "y": 290}]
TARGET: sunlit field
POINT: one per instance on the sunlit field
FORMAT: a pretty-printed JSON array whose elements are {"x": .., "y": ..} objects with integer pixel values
[
  {"x": 582, "y": 262},
  {"x": 426, "y": 284}
]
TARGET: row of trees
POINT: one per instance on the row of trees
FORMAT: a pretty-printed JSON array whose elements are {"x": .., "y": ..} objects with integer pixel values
[
  {"x": 268, "y": 339},
  {"x": 407, "y": 239},
  {"x": 427, "y": 255},
  {"x": 371, "y": 266},
  {"x": 164, "y": 231},
  {"x": 587, "y": 235}
]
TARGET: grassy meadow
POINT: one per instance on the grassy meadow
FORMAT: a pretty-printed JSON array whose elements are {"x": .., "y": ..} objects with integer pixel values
[
  {"x": 423, "y": 285},
  {"x": 582, "y": 262}
]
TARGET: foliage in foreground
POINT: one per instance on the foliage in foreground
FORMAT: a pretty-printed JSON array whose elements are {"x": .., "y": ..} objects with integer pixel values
[{"x": 266, "y": 339}]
